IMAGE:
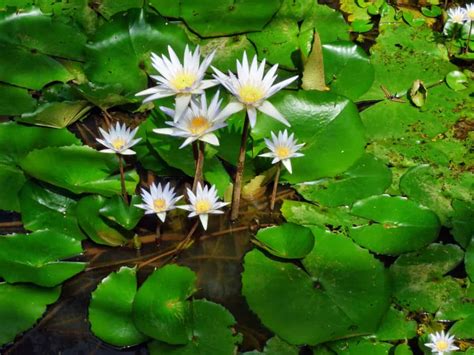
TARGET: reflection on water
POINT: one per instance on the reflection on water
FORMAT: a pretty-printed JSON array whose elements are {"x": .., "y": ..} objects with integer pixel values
[{"x": 215, "y": 256}]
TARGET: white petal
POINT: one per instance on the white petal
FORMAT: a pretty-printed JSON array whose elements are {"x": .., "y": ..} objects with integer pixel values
[
  {"x": 128, "y": 152},
  {"x": 252, "y": 112},
  {"x": 204, "y": 219},
  {"x": 210, "y": 138},
  {"x": 182, "y": 102},
  {"x": 287, "y": 164},
  {"x": 229, "y": 110},
  {"x": 186, "y": 207},
  {"x": 162, "y": 216},
  {"x": 167, "y": 131},
  {"x": 109, "y": 151},
  {"x": 267, "y": 108}
]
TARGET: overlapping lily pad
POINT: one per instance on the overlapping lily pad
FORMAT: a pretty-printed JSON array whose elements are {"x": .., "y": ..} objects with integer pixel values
[
  {"x": 394, "y": 225},
  {"x": 34, "y": 258},
  {"x": 31, "y": 300},
  {"x": 78, "y": 169},
  {"x": 111, "y": 303},
  {"x": 292, "y": 302},
  {"x": 15, "y": 101},
  {"x": 57, "y": 114},
  {"x": 328, "y": 124},
  {"x": 119, "y": 212}
]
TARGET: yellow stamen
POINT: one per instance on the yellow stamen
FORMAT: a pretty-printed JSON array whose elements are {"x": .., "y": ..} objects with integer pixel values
[
  {"x": 202, "y": 206},
  {"x": 442, "y": 345},
  {"x": 282, "y": 152},
  {"x": 118, "y": 143},
  {"x": 183, "y": 80},
  {"x": 198, "y": 125},
  {"x": 250, "y": 94},
  {"x": 159, "y": 205}
]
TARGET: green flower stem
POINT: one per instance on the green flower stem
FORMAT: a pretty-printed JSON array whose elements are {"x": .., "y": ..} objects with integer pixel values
[
  {"x": 275, "y": 186},
  {"x": 122, "y": 179},
  {"x": 466, "y": 50},
  {"x": 234, "y": 214},
  {"x": 198, "y": 176}
]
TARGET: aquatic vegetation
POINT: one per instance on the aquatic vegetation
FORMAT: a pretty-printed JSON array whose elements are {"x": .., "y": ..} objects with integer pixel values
[{"x": 187, "y": 238}]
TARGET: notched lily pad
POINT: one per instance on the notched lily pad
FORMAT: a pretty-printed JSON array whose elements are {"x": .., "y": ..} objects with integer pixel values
[
  {"x": 119, "y": 212},
  {"x": 395, "y": 225},
  {"x": 111, "y": 303},
  {"x": 35, "y": 258}
]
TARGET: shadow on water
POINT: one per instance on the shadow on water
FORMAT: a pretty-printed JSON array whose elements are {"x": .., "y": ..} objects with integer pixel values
[{"x": 215, "y": 256}]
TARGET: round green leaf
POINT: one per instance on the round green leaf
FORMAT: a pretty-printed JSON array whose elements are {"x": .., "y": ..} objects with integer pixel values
[
  {"x": 108, "y": 8},
  {"x": 288, "y": 241},
  {"x": 44, "y": 208},
  {"x": 15, "y": 101},
  {"x": 119, "y": 212},
  {"x": 233, "y": 17},
  {"x": 42, "y": 33},
  {"x": 23, "y": 68},
  {"x": 120, "y": 49},
  {"x": 276, "y": 346},
  {"x": 418, "y": 282},
  {"x": 34, "y": 258},
  {"x": 94, "y": 226},
  {"x": 469, "y": 260},
  {"x": 79, "y": 169},
  {"x": 330, "y": 296},
  {"x": 161, "y": 309},
  {"x": 395, "y": 225},
  {"x": 347, "y": 69},
  {"x": 403, "y": 349},
  {"x": 456, "y": 80},
  {"x": 463, "y": 329},
  {"x": 367, "y": 177},
  {"x": 328, "y": 124},
  {"x": 360, "y": 346},
  {"x": 228, "y": 50},
  {"x": 110, "y": 310},
  {"x": 211, "y": 333},
  {"x": 21, "y": 306},
  {"x": 11, "y": 180},
  {"x": 396, "y": 325}
]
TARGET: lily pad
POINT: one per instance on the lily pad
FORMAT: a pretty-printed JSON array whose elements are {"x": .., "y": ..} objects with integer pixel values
[
  {"x": 45, "y": 34},
  {"x": 396, "y": 325},
  {"x": 211, "y": 326},
  {"x": 234, "y": 17},
  {"x": 161, "y": 309},
  {"x": 31, "y": 300},
  {"x": 288, "y": 241},
  {"x": 368, "y": 176},
  {"x": 94, "y": 226},
  {"x": 111, "y": 303},
  {"x": 276, "y": 346},
  {"x": 78, "y": 169},
  {"x": 292, "y": 302},
  {"x": 43, "y": 207},
  {"x": 395, "y": 225},
  {"x": 15, "y": 101},
  {"x": 347, "y": 69},
  {"x": 56, "y": 114},
  {"x": 457, "y": 80},
  {"x": 34, "y": 258},
  {"x": 21, "y": 67},
  {"x": 360, "y": 346},
  {"x": 120, "y": 48},
  {"x": 117, "y": 211},
  {"x": 328, "y": 124},
  {"x": 418, "y": 282}
]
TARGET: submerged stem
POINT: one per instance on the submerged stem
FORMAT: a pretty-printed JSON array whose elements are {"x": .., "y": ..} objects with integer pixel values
[
  {"x": 466, "y": 50},
  {"x": 122, "y": 179},
  {"x": 198, "y": 176},
  {"x": 275, "y": 186},
  {"x": 234, "y": 214}
]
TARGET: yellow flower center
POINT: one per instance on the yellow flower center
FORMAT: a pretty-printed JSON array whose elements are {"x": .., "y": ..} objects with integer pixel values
[
  {"x": 202, "y": 206},
  {"x": 458, "y": 18},
  {"x": 442, "y": 345},
  {"x": 470, "y": 14},
  {"x": 118, "y": 143},
  {"x": 282, "y": 152},
  {"x": 183, "y": 80},
  {"x": 159, "y": 205},
  {"x": 250, "y": 94},
  {"x": 198, "y": 125}
]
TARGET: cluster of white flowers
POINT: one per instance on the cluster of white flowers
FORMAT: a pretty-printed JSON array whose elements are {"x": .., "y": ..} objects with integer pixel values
[
  {"x": 459, "y": 15},
  {"x": 193, "y": 119}
]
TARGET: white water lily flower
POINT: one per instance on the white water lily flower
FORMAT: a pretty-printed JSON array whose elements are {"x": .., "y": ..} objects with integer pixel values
[
  {"x": 252, "y": 89},
  {"x": 470, "y": 12},
  {"x": 441, "y": 343},
  {"x": 204, "y": 203},
  {"x": 198, "y": 122},
  {"x": 118, "y": 139},
  {"x": 283, "y": 148},
  {"x": 457, "y": 15},
  {"x": 159, "y": 200},
  {"x": 178, "y": 79}
]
